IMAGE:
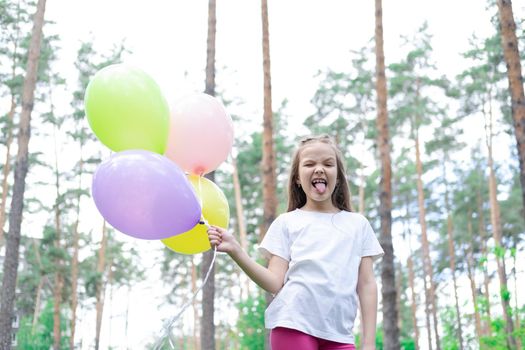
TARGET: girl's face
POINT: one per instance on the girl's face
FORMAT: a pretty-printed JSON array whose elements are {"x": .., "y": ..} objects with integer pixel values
[{"x": 318, "y": 175}]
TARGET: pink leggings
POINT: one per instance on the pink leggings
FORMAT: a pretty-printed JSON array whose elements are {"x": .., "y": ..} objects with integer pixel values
[{"x": 291, "y": 339}]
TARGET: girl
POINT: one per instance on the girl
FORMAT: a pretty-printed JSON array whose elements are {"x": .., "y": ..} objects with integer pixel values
[{"x": 320, "y": 258}]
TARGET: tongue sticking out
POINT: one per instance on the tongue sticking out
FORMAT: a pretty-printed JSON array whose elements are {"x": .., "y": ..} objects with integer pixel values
[{"x": 320, "y": 187}]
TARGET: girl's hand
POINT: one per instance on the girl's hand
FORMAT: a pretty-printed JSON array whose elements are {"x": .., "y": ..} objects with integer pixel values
[{"x": 223, "y": 239}]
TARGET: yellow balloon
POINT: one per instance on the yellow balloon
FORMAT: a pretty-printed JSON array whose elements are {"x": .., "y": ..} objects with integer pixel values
[{"x": 215, "y": 211}]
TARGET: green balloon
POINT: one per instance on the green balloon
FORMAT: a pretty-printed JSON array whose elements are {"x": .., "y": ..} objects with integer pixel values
[{"x": 126, "y": 109}]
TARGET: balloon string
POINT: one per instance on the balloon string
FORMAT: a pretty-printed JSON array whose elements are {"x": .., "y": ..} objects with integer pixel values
[
  {"x": 167, "y": 333},
  {"x": 169, "y": 323},
  {"x": 201, "y": 201}
]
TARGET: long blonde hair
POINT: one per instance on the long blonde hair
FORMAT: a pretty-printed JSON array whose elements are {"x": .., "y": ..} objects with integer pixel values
[{"x": 296, "y": 195}]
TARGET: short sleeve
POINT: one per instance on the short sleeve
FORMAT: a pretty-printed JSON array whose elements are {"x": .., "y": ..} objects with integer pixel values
[
  {"x": 371, "y": 246},
  {"x": 275, "y": 242}
]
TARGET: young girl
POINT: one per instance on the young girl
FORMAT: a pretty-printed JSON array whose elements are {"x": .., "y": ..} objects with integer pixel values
[{"x": 320, "y": 258}]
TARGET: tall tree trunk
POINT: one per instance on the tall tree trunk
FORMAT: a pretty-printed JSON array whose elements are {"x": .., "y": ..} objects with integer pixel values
[
  {"x": 427, "y": 263},
  {"x": 452, "y": 265},
  {"x": 38, "y": 299},
  {"x": 196, "y": 331},
  {"x": 43, "y": 279},
  {"x": 208, "y": 291},
  {"x": 74, "y": 262},
  {"x": 398, "y": 296},
  {"x": 21, "y": 166},
  {"x": 413, "y": 308},
  {"x": 517, "y": 312},
  {"x": 452, "y": 253},
  {"x": 512, "y": 58},
  {"x": 388, "y": 273},
  {"x": 495, "y": 220},
  {"x": 268, "y": 153},
  {"x": 240, "y": 219},
  {"x": 100, "y": 288},
  {"x": 428, "y": 310},
  {"x": 9, "y": 138},
  {"x": 59, "y": 279},
  {"x": 411, "y": 277},
  {"x": 268, "y": 165},
  {"x": 7, "y": 167},
  {"x": 472, "y": 279},
  {"x": 110, "y": 284},
  {"x": 484, "y": 252}
]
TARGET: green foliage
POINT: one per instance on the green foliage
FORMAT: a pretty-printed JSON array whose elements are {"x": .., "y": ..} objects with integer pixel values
[
  {"x": 41, "y": 338},
  {"x": 379, "y": 339},
  {"x": 505, "y": 294},
  {"x": 449, "y": 337},
  {"x": 250, "y": 324},
  {"x": 499, "y": 251},
  {"x": 496, "y": 340},
  {"x": 408, "y": 344}
]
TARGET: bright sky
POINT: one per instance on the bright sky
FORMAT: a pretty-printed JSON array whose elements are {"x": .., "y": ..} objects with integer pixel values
[{"x": 168, "y": 40}]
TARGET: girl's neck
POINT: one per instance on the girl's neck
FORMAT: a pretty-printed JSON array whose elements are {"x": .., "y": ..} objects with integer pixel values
[{"x": 320, "y": 207}]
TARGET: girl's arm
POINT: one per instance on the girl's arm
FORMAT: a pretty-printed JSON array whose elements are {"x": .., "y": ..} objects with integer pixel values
[
  {"x": 367, "y": 291},
  {"x": 270, "y": 279}
]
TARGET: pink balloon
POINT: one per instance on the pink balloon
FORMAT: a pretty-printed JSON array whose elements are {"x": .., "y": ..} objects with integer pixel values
[{"x": 201, "y": 134}]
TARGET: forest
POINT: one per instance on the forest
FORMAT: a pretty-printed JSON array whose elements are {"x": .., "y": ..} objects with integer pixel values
[{"x": 435, "y": 162}]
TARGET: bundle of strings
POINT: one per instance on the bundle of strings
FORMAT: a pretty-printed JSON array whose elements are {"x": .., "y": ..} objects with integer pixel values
[{"x": 167, "y": 337}]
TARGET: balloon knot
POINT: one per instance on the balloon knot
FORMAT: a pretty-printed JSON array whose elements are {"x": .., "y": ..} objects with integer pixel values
[{"x": 200, "y": 170}]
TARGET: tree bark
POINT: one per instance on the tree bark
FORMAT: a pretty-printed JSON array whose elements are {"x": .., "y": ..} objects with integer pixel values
[
  {"x": 59, "y": 279},
  {"x": 388, "y": 274},
  {"x": 21, "y": 167},
  {"x": 411, "y": 276},
  {"x": 486, "y": 277},
  {"x": 511, "y": 54},
  {"x": 427, "y": 262},
  {"x": 413, "y": 306},
  {"x": 100, "y": 288},
  {"x": 9, "y": 139},
  {"x": 517, "y": 315},
  {"x": 452, "y": 253},
  {"x": 207, "y": 331},
  {"x": 268, "y": 163},
  {"x": 240, "y": 218},
  {"x": 210, "y": 49},
  {"x": 74, "y": 262},
  {"x": 472, "y": 279},
  {"x": 452, "y": 265},
  {"x": 495, "y": 220},
  {"x": 43, "y": 280},
  {"x": 268, "y": 153},
  {"x": 7, "y": 167},
  {"x": 196, "y": 331}
]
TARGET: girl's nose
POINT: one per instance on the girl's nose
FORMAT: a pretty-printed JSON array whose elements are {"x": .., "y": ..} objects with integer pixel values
[{"x": 319, "y": 170}]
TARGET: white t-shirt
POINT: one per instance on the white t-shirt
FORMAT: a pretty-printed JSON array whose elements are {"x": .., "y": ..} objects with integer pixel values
[{"x": 324, "y": 251}]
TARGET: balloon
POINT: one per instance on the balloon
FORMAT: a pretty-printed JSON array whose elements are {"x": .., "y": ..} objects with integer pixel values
[
  {"x": 215, "y": 210},
  {"x": 126, "y": 109},
  {"x": 145, "y": 195},
  {"x": 201, "y": 134}
]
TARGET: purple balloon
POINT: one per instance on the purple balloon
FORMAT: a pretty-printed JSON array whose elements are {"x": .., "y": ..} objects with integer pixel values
[{"x": 145, "y": 195}]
